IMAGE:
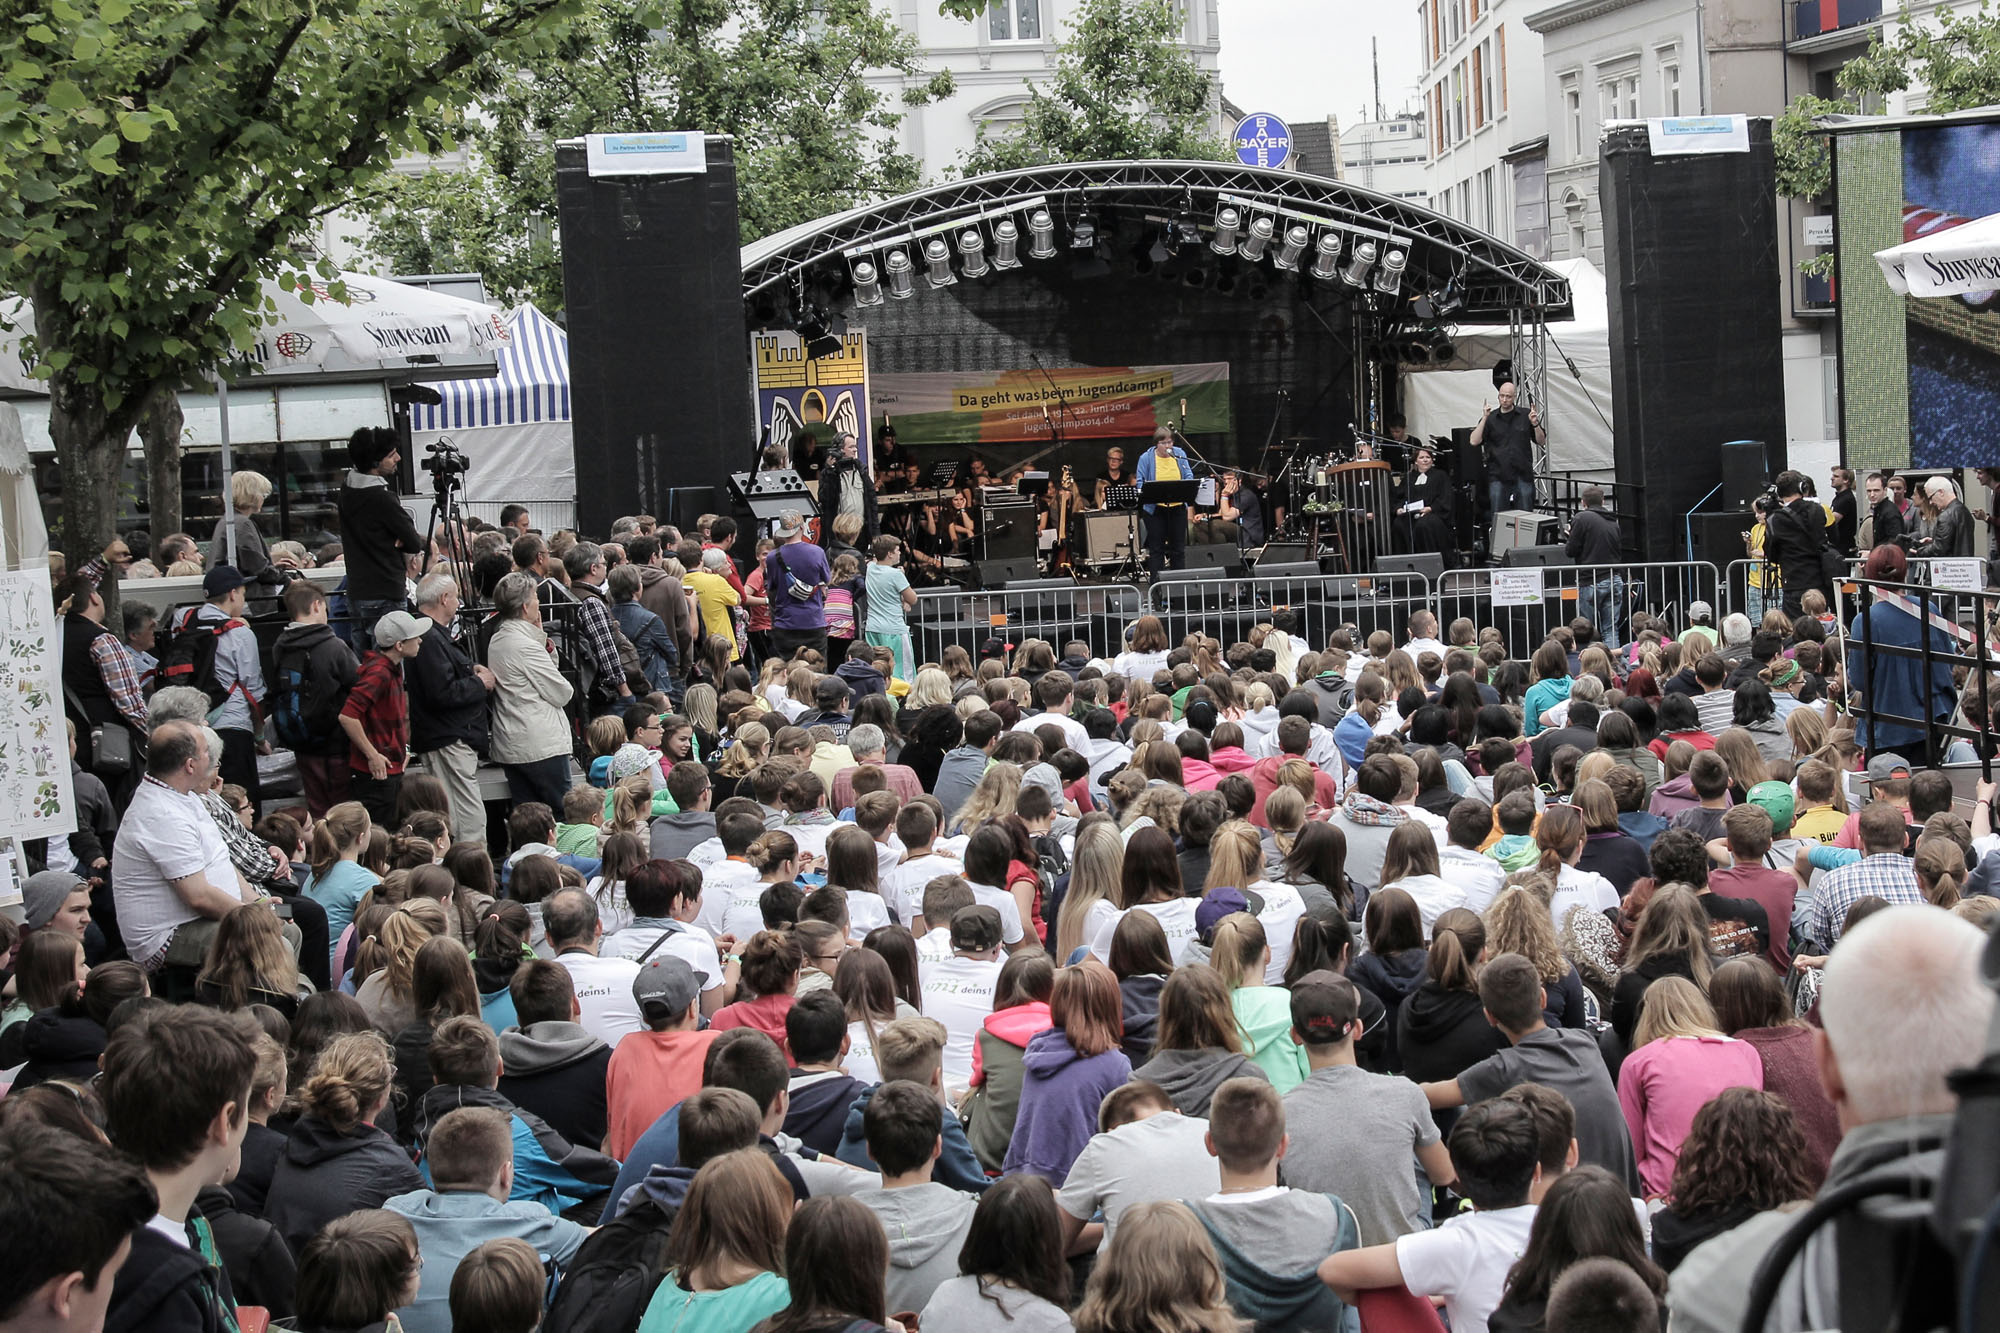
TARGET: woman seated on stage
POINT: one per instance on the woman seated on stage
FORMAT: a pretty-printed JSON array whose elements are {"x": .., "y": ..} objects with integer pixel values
[{"x": 1429, "y": 528}]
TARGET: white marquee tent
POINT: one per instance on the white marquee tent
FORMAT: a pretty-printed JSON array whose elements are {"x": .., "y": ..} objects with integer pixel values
[
  {"x": 1577, "y": 409},
  {"x": 515, "y": 428}
]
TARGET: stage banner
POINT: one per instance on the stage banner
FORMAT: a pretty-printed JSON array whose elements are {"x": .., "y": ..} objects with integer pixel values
[
  {"x": 36, "y": 800},
  {"x": 796, "y": 391},
  {"x": 1096, "y": 402}
]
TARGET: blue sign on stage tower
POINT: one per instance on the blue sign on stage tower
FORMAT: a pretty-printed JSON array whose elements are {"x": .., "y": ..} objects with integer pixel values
[{"x": 1262, "y": 140}]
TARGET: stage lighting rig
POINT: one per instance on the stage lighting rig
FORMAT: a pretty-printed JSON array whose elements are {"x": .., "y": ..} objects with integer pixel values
[
  {"x": 1326, "y": 256},
  {"x": 1227, "y": 222},
  {"x": 1294, "y": 245},
  {"x": 867, "y": 284},
  {"x": 1083, "y": 236},
  {"x": 1359, "y": 262},
  {"x": 937, "y": 263},
  {"x": 901, "y": 285},
  {"x": 1006, "y": 244},
  {"x": 972, "y": 252},
  {"x": 1262, "y": 227},
  {"x": 1041, "y": 235},
  {"x": 1389, "y": 277}
]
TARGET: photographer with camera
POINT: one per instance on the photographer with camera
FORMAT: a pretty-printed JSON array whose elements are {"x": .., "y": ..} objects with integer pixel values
[
  {"x": 375, "y": 530},
  {"x": 1795, "y": 540}
]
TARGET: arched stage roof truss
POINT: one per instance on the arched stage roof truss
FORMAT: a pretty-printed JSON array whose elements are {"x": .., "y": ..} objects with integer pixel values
[{"x": 1464, "y": 275}]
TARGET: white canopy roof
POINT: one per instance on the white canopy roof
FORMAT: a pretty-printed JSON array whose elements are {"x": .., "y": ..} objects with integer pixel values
[{"x": 1949, "y": 261}]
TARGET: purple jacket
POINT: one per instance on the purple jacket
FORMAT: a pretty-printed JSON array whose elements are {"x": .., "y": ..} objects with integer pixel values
[
  {"x": 808, "y": 564},
  {"x": 1059, "y": 1100}
]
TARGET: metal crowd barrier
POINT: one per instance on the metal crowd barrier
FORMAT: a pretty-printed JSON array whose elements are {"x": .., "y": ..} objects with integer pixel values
[
  {"x": 1096, "y": 614},
  {"x": 1311, "y": 607},
  {"x": 1923, "y": 572},
  {"x": 1526, "y": 603},
  {"x": 1889, "y": 656}
]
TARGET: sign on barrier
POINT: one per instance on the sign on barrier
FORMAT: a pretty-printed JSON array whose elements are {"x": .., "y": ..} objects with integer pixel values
[{"x": 1518, "y": 587}]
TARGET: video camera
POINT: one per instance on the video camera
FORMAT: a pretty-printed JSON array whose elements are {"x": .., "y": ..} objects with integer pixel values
[{"x": 444, "y": 462}]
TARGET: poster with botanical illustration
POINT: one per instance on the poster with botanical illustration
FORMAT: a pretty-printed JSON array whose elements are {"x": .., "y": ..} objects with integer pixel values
[{"x": 36, "y": 799}]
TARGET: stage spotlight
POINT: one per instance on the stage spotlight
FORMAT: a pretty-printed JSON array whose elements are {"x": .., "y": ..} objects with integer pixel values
[
  {"x": 937, "y": 259},
  {"x": 972, "y": 250},
  {"x": 1389, "y": 278},
  {"x": 867, "y": 284},
  {"x": 1227, "y": 220},
  {"x": 1259, "y": 236},
  {"x": 901, "y": 285},
  {"x": 1359, "y": 262},
  {"x": 1041, "y": 235},
  {"x": 1294, "y": 245},
  {"x": 1083, "y": 236},
  {"x": 1326, "y": 256},
  {"x": 1161, "y": 249},
  {"x": 1006, "y": 241},
  {"x": 1186, "y": 230}
]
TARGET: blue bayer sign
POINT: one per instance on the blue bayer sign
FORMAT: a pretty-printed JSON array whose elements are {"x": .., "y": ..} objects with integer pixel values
[{"x": 1263, "y": 140}]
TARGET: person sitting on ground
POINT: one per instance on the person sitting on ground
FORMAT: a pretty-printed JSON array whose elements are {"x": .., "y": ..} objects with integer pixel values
[
  {"x": 470, "y": 1156},
  {"x": 1566, "y": 1059},
  {"x": 1012, "y": 1273},
  {"x": 86, "y": 1206},
  {"x": 548, "y": 1169},
  {"x": 356, "y": 1271},
  {"x": 554, "y": 1067},
  {"x": 820, "y": 1091},
  {"x": 927, "y": 1221},
  {"x": 1584, "y": 1214},
  {"x": 911, "y": 1050},
  {"x": 500, "y": 1287}
]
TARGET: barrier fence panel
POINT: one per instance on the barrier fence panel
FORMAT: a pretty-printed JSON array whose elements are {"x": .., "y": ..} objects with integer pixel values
[
  {"x": 1311, "y": 607},
  {"x": 1754, "y": 586},
  {"x": 1095, "y": 614},
  {"x": 1526, "y": 603},
  {"x": 1907, "y": 699}
]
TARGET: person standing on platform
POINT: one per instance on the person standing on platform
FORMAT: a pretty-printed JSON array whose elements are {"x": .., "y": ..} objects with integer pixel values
[
  {"x": 1594, "y": 541},
  {"x": 1885, "y": 520},
  {"x": 1166, "y": 524},
  {"x": 1430, "y": 527},
  {"x": 1952, "y": 537},
  {"x": 795, "y": 579},
  {"x": 1795, "y": 536},
  {"x": 1509, "y": 437},
  {"x": 846, "y": 488},
  {"x": 1846, "y": 512}
]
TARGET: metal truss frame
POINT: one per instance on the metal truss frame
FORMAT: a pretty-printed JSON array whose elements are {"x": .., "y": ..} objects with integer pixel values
[{"x": 1497, "y": 282}]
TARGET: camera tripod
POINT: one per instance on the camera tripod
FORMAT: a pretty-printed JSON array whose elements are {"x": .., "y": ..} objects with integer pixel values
[{"x": 447, "y": 469}]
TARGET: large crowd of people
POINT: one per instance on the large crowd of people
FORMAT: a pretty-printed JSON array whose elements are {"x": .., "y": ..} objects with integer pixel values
[{"x": 797, "y": 985}]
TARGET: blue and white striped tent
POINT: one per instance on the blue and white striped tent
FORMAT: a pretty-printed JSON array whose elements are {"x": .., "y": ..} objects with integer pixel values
[{"x": 515, "y": 427}]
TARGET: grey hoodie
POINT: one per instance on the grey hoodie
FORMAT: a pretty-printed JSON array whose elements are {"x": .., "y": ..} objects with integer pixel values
[
  {"x": 1191, "y": 1077},
  {"x": 546, "y": 1046},
  {"x": 926, "y": 1225}
]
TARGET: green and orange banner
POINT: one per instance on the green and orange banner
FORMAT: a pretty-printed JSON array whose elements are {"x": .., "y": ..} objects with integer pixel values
[{"x": 1083, "y": 402}]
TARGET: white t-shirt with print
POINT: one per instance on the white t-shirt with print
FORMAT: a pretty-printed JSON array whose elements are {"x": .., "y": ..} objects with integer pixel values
[
  {"x": 904, "y": 884},
  {"x": 604, "y": 994},
  {"x": 1176, "y": 919},
  {"x": 958, "y": 992},
  {"x": 1002, "y": 902},
  {"x": 693, "y": 946},
  {"x": 720, "y": 884}
]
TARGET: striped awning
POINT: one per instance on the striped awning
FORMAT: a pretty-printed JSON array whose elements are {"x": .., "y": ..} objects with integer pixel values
[{"x": 532, "y": 386}]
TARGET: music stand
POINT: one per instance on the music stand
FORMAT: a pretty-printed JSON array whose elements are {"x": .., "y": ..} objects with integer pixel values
[
  {"x": 1122, "y": 495},
  {"x": 1170, "y": 492}
]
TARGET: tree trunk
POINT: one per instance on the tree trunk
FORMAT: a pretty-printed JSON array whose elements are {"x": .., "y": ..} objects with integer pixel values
[
  {"x": 91, "y": 450},
  {"x": 160, "y": 428}
]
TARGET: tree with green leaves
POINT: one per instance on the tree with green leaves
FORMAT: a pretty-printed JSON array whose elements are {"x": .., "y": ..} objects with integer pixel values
[
  {"x": 799, "y": 85},
  {"x": 1126, "y": 87},
  {"x": 159, "y": 157},
  {"x": 1955, "y": 57}
]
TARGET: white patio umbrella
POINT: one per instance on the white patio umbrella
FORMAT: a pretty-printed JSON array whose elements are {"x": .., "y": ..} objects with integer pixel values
[{"x": 1949, "y": 262}]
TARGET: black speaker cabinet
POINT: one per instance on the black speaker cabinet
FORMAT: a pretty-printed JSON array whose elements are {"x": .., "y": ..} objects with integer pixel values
[
  {"x": 1534, "y": 555},
  {"x": 659, "y": 347},
  {"x": 1745, "y": 474},
  {"x": 1718, "y": 538},
  {"x": 1220, "y": 555},
  {"x": 999, "y": 573},
  {"x": 1691, "y": 266}
]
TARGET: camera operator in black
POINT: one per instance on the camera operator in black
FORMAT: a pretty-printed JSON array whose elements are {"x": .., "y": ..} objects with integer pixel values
[
  {"x": 1795, "y": 538},
  {"x": 375, "y": 531}
]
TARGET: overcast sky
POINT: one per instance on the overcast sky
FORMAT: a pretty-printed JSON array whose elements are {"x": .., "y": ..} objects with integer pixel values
[{"x": 1306, "y": 59}]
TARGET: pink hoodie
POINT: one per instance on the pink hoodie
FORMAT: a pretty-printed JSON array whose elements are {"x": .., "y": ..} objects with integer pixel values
[
  {"x": 1200, "y": 775},
  {"x": 1014, "y": 1026}
]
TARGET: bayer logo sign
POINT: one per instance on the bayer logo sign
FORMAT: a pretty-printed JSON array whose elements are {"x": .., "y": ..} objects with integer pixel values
[{"x": 1262, "y": 140}]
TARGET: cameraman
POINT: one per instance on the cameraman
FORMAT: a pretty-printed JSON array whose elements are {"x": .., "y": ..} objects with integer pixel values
[
  {"x": 375, "y": 530},
  {"x": 1795, "y": 540}
]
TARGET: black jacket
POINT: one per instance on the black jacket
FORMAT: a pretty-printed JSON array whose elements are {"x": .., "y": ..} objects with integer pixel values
[
  {"x": 1594, "y": 539},
  {"x": 168, "y": 1288},
  {"x": 1953, "y": 534},
  {"x": 328, "y": 669},
  {"x": 447, "y": 702},
  {"x": 1390, "y": 978},
  {"x": 1139, "y": 999},
  {"x": 556, "y": 1071},
  {"x": 1440, "y": 1034},
  {"x": 375, "y": 534},
  {"x": 325, "y": 1174},
  {"x": 1889, "y": 525},
  {"x": 260, "y": 1267},
  {"x": 819, "y": 1110},
  {"x": 251, "y": 1185},
  {"x": 59, "y": 1046},
  {"x": 1794, "y": 536}
]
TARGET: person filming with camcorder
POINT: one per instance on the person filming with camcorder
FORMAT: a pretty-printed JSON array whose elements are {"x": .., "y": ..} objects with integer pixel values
[{"x": 375, "y": 529}]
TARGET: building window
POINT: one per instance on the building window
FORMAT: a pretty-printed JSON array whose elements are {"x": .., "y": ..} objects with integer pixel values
[
  {"x": 1454, "y": 21},
  {"x": 1458, "y": 102},
  {"x": 1487, "y": 217},
  {"x": 1618, "y": 91},
  {"x": 1572, "y": 104},
  {"x": 1430, "y": 20},
  {"x": 1015, "y": 21},
  {"x": 1670, "y": 81},
  {"x": 1579, "y": 239},
  {"x": 1484, "y": 72},
  {"x": 1478, "y": 101},
  {"x": 1500, "y": 57}
]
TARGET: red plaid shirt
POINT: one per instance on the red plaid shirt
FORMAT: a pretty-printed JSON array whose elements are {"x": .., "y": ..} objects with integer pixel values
[{"x": 382, "y": 707}]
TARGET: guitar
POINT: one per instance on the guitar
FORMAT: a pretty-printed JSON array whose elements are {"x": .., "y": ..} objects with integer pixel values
[{"x": 1059, "y": 556}]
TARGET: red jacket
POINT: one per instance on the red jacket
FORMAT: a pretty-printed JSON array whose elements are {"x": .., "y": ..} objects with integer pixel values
[{"x": 1264, "y": 777}]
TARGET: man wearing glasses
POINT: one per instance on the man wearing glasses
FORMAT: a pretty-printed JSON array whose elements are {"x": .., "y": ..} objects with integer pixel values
[{"x": 448, "y": 707}]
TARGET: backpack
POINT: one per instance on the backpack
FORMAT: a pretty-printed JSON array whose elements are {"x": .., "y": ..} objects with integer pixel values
[
  {"x": 305, "y": 708},
  {"x": 613, "y": 1276},
  {"x": 189, "y": 657}
]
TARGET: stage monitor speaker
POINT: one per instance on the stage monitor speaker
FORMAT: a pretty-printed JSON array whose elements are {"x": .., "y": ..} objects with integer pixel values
[
  {"x": 1718, "y": 538},
  {"x": 1690, "y": 262},
  {"x": 659, "y": 346},
  {"x": 1008, "y": 533},
  {"x": 1011, "y": 570},
  {"x": 1217, "y": 555},
  {"x": 1283, "y": 553},
  {"x": 1745, "y": 474},
  {"x": 1521, "y": 527},
  {"x": 1296, "y": 569},
  {"x": 1534, "y": 555},
  {"x": 1430, "y": 564}
]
